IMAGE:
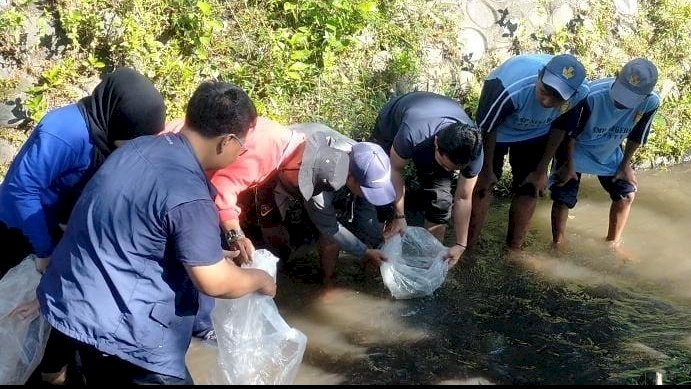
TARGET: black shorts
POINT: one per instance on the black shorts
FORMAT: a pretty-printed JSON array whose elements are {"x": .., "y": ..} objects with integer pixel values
[
  {"x": 435, "y": 183},
  {"x": 524, "y": 157},
  {"x": 258, "y": 205},
  {"x": 568, "y": 193}
]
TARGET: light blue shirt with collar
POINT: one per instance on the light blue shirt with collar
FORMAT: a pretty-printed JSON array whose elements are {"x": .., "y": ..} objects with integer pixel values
[
  {"x": 603, "y": 127},
  {"x": 512, "y": 109}
]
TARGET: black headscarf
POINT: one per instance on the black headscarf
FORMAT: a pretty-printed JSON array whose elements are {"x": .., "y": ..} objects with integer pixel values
[{"x": 123, "y": 106}]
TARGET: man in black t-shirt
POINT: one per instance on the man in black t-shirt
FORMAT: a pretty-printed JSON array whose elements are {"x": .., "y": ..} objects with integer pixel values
[{"x": 436, "y": 133}]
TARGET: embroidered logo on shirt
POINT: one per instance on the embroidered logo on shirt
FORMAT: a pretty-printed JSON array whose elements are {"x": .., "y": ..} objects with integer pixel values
[
  {"x": 567, "y": 72},
  {"x": 634, "y": 80},
  {"x": 564, "y": 107}
]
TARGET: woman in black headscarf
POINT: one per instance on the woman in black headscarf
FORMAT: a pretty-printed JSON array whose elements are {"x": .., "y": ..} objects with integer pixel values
[
  {"x": 45, "y": 179},
  {"x": 62, "y": 153}
]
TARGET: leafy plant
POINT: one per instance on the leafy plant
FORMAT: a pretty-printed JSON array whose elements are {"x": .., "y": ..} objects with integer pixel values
[{"x": 12, "y": 36}]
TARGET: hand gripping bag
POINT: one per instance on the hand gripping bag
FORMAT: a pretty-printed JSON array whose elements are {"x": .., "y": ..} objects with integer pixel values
[
  {"x": 255, "y": 345},
  {"x": 415, "y": 265}
]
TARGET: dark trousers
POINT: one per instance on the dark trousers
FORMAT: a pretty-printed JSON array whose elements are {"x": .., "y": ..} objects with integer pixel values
[
  {"x": 15, "y": 247},
  {"x": 106, "y": 370},
  {"x": 202, "y": 322},
  {"x": 59, "y": 353}
]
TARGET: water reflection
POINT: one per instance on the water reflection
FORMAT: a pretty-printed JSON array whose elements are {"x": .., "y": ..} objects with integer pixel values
[{"x": 580, "y": 316}]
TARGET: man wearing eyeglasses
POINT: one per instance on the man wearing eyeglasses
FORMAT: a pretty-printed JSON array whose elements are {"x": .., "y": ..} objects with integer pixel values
[
  {"x": 263, "y": 150},
  {"x": 143, "y": 242},
  {"x": 616, "y": 109},
  {"x": 523, "y": 111}
]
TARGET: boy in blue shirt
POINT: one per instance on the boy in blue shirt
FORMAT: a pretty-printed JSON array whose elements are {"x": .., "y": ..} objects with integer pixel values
[
  {"x": 615, "y": 110},
  {"x": 523, "y": 111}
]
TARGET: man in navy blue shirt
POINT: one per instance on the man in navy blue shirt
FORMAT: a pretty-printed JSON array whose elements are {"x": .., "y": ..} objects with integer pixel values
[
  {"x": 143, "y": 240},
  {"x": 438, "y": 136},
  {"x": 615, "y": 110},
  {"x": 523, "y": 111}
]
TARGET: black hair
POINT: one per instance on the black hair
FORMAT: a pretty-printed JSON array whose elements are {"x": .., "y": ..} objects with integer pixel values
[
  {"x": 460, "y": 142},
  {"x": 219, "y": 108}
]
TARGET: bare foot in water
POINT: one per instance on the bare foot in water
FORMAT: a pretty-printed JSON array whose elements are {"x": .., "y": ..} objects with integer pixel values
[
  {"x": 515, "y": 255},
  {"x": 330, "y": 292},
  {"x": 558, "y": 249},
  {"x": 624, "y": 254}
]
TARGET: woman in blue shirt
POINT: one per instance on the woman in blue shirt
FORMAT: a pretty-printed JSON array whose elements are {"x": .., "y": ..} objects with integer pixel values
[{"x": 62, "y": 153}]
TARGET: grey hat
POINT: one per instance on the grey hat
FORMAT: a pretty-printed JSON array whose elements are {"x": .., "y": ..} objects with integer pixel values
[
  {"x": 635, "y": 81},
  {"x": 323, "y": 168}
]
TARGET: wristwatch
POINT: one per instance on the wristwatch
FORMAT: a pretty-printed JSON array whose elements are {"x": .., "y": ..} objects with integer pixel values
[{"x": 232, "y": 236}]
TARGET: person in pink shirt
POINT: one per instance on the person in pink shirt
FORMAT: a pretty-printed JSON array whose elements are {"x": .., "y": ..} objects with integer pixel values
[
  {"x": 264, "y": 149},
  {"x": 268, "y": 146}
]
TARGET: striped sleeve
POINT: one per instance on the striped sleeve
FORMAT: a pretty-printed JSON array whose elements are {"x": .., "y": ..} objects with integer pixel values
[
  {"x": 641, "y": 129},
  {"x": 570, "y": 121},
  {"x": 494, "y": 106}
]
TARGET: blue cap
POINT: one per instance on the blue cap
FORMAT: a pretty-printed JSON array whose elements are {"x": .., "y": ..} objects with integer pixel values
[
  {"x": 371, "y": 167},
  {"x": 635, "y": 81},
  {"x": 565, "y": 74}
]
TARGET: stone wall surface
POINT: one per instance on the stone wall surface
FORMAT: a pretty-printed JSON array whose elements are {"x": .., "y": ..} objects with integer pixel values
[{"x": 491, "y": 27}]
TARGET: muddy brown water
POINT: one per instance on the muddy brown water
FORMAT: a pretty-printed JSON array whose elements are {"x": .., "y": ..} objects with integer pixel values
[{"x": 582, "y": 316}]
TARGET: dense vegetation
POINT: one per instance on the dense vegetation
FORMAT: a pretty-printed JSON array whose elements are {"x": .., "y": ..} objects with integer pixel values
[{"x": 334, "y": 61}]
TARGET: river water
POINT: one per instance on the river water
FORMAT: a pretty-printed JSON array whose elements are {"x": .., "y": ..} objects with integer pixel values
[{"x": 580, "y": 316}]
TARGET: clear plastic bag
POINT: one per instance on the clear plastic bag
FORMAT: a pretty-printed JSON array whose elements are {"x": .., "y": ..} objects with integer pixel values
[
  {"x": 415, "y": 265},
  {"x": 255, "y": 345},
  {"x": 22, "y": 341}
]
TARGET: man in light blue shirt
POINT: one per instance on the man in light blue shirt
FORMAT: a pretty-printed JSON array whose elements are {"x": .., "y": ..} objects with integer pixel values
[
  {"x": 523, "y": 111},
  {"x": 615, "y": 110}
]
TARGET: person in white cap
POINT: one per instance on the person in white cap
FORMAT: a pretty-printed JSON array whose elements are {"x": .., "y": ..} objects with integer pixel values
[
  {"x": 523, "y": 112},
  {"x": 616, "y": 110}
]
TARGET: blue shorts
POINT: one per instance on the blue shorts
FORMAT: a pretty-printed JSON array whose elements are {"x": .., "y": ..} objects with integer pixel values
[{"x": 568, "y": 193}]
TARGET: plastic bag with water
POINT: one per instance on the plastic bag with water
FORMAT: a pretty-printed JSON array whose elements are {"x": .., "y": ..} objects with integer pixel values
[
  {"x": 22, "y": 341},
  {"x": 255, "y": 345},
  {"x": 415, "y": 265}
]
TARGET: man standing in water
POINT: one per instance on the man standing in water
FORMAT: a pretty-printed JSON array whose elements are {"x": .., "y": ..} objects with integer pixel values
[
  {"x": 615, "y": 110},
  {"x": 143, "y": 241},
  {"x": 523, "y": 111},
  {"x": 438, "y": 136}
]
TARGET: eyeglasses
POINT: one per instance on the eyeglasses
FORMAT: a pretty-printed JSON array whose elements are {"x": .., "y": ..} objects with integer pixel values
[{"x": 243, "y": 148}]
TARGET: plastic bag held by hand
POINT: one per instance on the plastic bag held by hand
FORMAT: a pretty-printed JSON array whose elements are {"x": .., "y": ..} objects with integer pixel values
[
  {"x": 415, "y": 265},
  {"x": 22, "y": 340},
  {"x": 255, "y": 345}
]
